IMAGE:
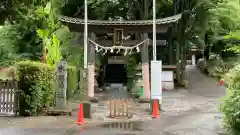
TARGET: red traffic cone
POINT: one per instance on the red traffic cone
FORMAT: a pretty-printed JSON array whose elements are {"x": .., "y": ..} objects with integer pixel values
[
  {"x": 221, "y": 82},
  {"x": 155, "y": 111},
  {"x": 80, "y": 119}
]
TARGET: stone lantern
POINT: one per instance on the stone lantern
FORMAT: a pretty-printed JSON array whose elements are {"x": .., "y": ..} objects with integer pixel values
[{"x": 193, "y": 51}]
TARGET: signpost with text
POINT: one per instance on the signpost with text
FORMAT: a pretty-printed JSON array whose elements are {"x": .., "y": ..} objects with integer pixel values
[{"x": 156, "y": 79}]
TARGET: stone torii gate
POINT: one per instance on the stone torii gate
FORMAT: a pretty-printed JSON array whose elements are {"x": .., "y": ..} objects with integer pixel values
[{"x": 117, "y": 30}]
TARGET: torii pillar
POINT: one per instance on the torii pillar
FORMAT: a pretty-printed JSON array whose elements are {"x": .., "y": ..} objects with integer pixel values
[
  {"x": 145, "y": 70},
  {"x": 91, "y": 66}
]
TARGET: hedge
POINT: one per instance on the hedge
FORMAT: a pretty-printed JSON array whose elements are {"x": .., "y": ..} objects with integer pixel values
[
  {"x": 230, "y": 105},
  {"x": 72, "y": 81},
  {"x": 37, "y": 87}
]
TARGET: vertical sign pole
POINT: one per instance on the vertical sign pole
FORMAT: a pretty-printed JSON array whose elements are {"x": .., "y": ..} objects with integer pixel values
[
  {"x": 156, "y": 87},
  {"x": 85, "y": 35},
  {"x": 154, "y": 31},
  {"x": 156, "y": 81}
]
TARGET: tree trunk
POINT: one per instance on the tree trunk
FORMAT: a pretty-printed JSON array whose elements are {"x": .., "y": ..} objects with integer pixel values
[
  {"x": 183, "y": 64},
  {"x": 178, "y": 62}
]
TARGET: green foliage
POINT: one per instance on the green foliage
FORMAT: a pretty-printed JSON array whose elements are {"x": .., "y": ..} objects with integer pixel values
[
  {"x": 37, "y": 86},
  {"x": 82, "y": 91},
  {"x": 218, "y": 67},
  {"x": 72, "y": 81},
  {"x": 5, "y": 10},
  {"x": 26, "y": 17},
  {"x": 115, "y": 9},
  {"x": 225, "y": 17},
  {"x": 233, "y": 35},
  {"x": 53, "y": 53},
  {"x": 233, "y": 46},
  {"x": 9, "y": 37},
  {"x": 230, "y": 105},
  {"x": 224, "y": 22},
  {"x": 49, "y": 38},
  {"x": 72, "y": 53},
  {"x": 131, "y": 67}
]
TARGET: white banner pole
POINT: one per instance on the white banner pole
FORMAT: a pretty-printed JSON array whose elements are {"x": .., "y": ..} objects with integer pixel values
[
  {"x": 85, "y": 35},
  {"x": 154, "y": 31}
]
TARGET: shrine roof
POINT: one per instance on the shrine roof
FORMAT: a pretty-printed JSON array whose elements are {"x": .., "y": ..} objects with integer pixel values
[{"x": 165, "y": 20}]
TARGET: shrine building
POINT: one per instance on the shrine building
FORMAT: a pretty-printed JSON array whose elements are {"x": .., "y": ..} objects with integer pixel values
[{"x": 117, "y": 39}]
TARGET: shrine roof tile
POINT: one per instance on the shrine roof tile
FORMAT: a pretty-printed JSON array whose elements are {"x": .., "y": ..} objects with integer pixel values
[{"x": 165, "y": 20}]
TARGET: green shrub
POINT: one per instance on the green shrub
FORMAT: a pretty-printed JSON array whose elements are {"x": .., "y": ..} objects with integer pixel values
[
  {"x": 131, "y": 67},
  {"x": 82, "y": 92},
  {"x": 72, "y": 81},
  {"x": 9, "y": 37},
  {"x": 230, "y": 106},
  {"x": 37, "y": 87},
  {"x": 218, "y": 68},
  {"x": 202, "y": 65}
]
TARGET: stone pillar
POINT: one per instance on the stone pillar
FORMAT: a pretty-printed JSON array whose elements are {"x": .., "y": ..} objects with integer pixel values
[
  {"x": 194, "y": 59},
  {"x": 145, "y": 70},
  {"x": 61, "y": 93},
  {"x": 91, "y": 66}
]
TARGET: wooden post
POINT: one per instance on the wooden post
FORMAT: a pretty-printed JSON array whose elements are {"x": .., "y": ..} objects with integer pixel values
[{"x": 91, "y": 66}]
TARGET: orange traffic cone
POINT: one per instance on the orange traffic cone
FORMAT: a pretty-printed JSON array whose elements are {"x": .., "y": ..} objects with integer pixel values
[
  {"x": 155, "y": 111},
  {"x": 80, "y": 119},
  {"x": 221, "y": 82}
]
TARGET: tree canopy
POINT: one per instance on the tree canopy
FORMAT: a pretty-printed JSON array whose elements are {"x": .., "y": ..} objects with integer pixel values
[{"x": 204, "y": 22}]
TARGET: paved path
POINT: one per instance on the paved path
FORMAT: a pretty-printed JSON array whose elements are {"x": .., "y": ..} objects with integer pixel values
[
  {"x": 187, "y": 112},
  {"x": 193, "y": 111}
]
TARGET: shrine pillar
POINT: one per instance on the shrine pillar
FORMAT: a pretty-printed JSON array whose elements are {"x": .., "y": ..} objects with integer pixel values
[
  {"x": 145, "y": 69},
  {"x": 91, "y": 66},
  {"x": 193, "y": 59}
]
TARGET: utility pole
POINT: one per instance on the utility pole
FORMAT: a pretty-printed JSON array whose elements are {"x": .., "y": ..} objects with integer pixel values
[
  {"x": 156, "y": 66},
  {"x": 85, "y": 35},
  {"x": 154, "y": 31}
]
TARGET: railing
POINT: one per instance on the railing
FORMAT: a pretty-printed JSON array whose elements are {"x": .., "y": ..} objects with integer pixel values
[
  {"x": 118, "y": 108},
  {"x": 9, "y": 102}
]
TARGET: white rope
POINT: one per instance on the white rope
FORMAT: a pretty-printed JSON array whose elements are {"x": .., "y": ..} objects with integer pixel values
[{"x": 112, "y": 48}]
